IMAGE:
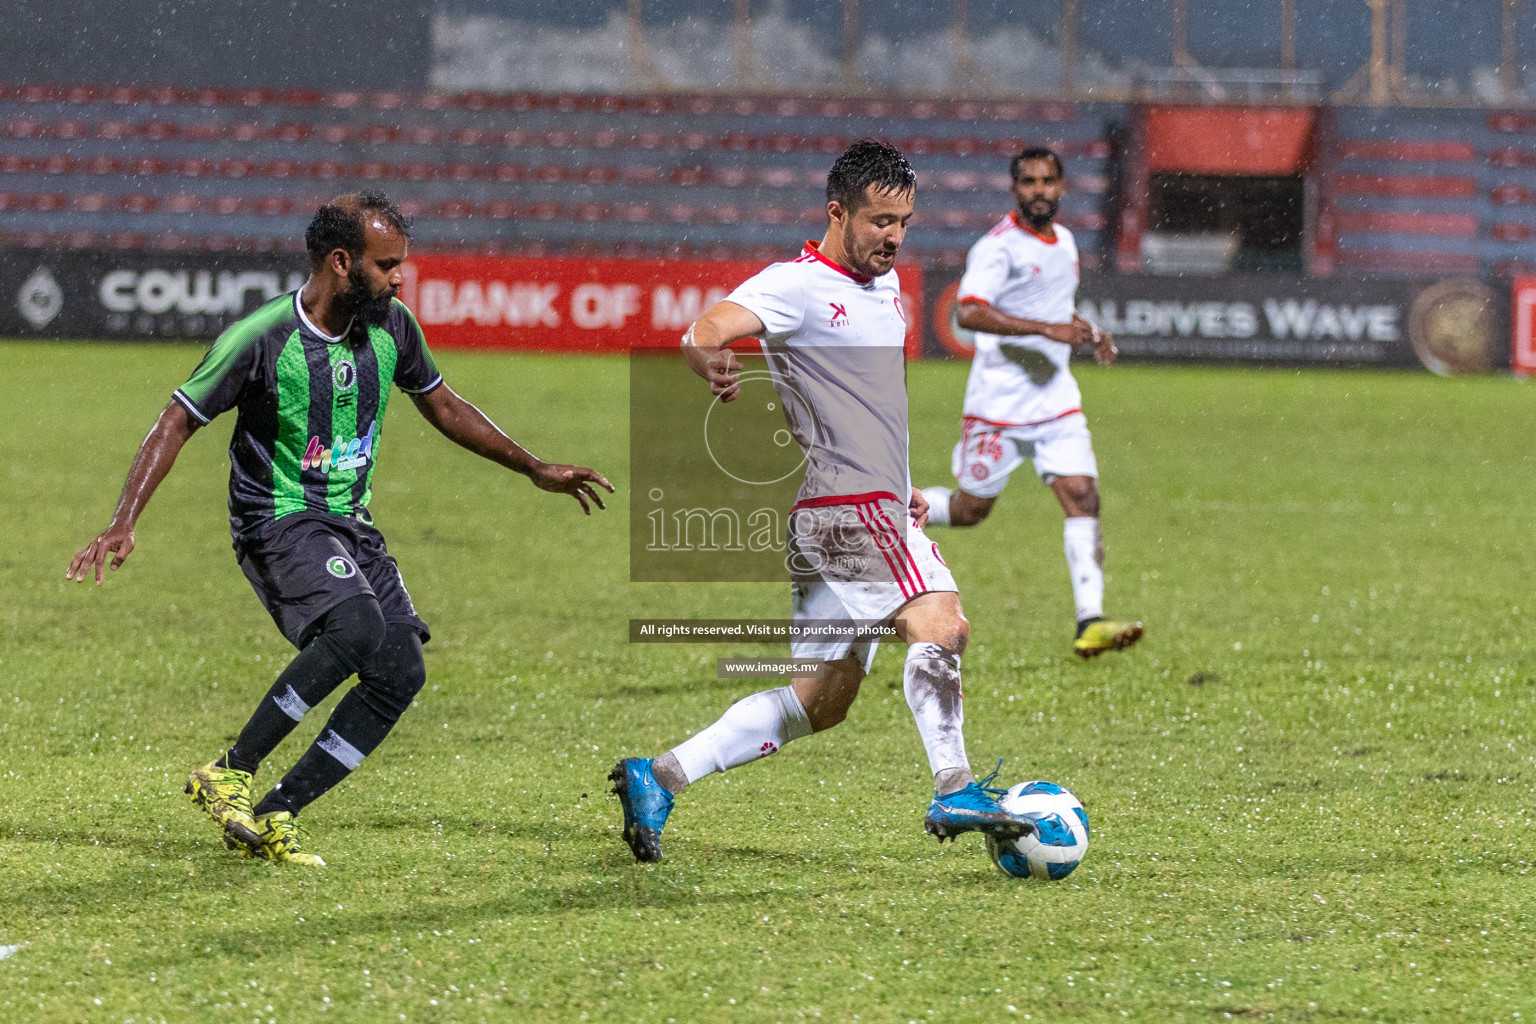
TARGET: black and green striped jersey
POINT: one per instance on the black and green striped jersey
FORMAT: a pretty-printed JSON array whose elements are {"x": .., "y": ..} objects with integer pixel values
[{"x": 311, "y": 407}]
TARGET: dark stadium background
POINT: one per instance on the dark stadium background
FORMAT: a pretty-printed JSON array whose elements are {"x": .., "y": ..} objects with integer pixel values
[{"x": 297, "y": 43}]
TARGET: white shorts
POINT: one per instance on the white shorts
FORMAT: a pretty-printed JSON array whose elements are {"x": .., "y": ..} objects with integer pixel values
[
  {"x": 988, "y": 453},
  {"x": 858, "y": 563}
]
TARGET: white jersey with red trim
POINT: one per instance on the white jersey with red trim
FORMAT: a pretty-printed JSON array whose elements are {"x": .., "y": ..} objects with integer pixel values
[
  {"x": 835, "y": 344},
  {"x": 1022, "y": 379}
]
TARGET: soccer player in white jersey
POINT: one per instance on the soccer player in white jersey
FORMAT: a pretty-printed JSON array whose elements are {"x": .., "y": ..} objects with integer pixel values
[
  {"x": 1019, "y": 294},
  {"x": 831, "y": 326}
]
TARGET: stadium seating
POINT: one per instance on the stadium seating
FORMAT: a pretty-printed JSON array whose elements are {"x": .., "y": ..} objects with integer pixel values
[
  {"x": 1434, "y": 191},
  {"x": 1405, "y": 190},
  {"x": 508, "y": 172}
]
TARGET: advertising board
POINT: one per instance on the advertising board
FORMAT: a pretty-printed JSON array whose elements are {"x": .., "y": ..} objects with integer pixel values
[{"x": 1450, "y": 326}]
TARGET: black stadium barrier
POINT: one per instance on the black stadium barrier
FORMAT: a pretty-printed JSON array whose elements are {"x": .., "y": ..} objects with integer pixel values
[{"x": 133, "y": 295}]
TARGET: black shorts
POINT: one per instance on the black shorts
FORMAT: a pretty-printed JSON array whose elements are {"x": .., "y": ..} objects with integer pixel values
[{"x": 303, "y": 565}]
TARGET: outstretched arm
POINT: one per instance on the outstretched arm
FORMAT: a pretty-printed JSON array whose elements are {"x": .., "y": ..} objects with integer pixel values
[
  {"x": 704, "y": 346},
  {"x": 979, "y": 316},
  {"x": 463, "y": 424},
  {"x": 155, "y": 458},
  {"x": 988, "y": 319}
]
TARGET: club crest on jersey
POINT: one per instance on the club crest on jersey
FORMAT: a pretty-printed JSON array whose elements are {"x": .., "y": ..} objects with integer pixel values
[
  {"x": 839, "y": 315},
  {"x": 343, "y": 453},
  {"x": 345, "y": 375}
]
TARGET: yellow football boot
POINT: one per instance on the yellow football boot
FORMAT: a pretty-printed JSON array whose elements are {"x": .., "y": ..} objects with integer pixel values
[
  {"x": 1100, "y": 635},
  {"x": 224, "y": 794},
  {"x": 280, "y": 841}
]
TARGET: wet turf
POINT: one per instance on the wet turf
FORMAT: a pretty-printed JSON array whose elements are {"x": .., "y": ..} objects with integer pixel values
[{"x": 1310, "y": 785}]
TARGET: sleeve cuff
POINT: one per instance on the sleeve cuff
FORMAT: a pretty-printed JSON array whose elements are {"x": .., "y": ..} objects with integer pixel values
[
  {"x": 191, "y": 407},
  {"x": 763, "y": 317},
  {"x": 431, "y": 386},
  {"x": 977, "y": 299}
]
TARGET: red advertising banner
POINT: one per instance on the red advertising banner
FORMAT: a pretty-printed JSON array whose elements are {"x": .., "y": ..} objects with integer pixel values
[
  {"x": 1522, "y": 355},
  {"x": 563, "y": 304},
  {"x": 1229, "y": 140}
]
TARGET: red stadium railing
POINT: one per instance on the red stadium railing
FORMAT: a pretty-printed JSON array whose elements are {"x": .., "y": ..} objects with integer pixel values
[
  {"x": 523, "y": 102},
  {"x": 461, "y": 209},
  {"x": 520, "y": 138}
]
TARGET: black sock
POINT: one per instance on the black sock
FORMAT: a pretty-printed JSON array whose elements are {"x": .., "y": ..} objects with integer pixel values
[
  {"x": 359, "y": 724},
  {"x": 349, "y": 634}
]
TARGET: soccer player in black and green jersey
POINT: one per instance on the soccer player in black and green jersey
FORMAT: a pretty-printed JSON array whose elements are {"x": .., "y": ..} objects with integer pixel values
[{"x": 310, "y": 374}]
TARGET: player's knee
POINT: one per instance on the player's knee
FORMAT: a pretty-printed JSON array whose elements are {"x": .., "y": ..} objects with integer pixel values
[
  {"x": 967, "y": 516},
  {"x": 827, "y": 719},
  {"x": 958, "y": 634},
  {"x": 828, "y": 702},
  {"x": 936, "y": 619},
  {"x": 951, "y": 631},
  {"x": 1080, "y": 495},
  {"x": 396, "y": 675},
  {"x": 355, "y": 629},
  {"x": 828, "y": 714},
  {"x": 954, "y": 629},
  {"x": 969, "y": 513},
  {"x": 409, "y": 676}
]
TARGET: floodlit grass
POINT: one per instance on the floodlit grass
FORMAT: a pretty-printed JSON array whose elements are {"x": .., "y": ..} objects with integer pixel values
[{"x": 1310, "y": 787}]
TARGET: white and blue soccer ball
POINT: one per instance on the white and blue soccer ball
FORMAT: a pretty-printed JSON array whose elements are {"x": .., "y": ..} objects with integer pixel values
[{"x": 1057, "y": 845}]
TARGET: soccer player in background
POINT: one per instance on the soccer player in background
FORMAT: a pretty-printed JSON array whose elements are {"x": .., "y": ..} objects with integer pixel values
[
  {"x": 1019, "y": 294},
  {"x": 831, "y": 326},
  {"x": 310, "y": 374}
]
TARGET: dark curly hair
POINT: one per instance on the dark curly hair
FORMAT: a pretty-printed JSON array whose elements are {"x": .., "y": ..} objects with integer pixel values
[
  {"x": 865, "y": 163},
  {"x": 1036, "y": 153},
  {"x": 340, "y": 223}
]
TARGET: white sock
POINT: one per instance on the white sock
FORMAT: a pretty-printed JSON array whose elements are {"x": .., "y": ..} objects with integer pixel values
[
  {"x": 931, "y": 680},
  {"x": 1085, "y": 561},
  {"x": 752, "y": 728},
  {"x": 938, "y": 504}
]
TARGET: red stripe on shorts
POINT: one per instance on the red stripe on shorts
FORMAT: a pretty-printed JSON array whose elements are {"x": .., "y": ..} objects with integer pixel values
[
  {"x": 896, "y": 570},
  {"x": 844, "y": 499},
  {"x": 967, "y": 420},
  {"x": 916, "y": 573}
]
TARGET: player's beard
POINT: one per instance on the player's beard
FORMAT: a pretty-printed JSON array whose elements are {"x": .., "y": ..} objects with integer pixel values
[
  {"x": 367, "y": 308},
  {"x": 1039, "y": 221},
  {"x": 866, "y": 264}
]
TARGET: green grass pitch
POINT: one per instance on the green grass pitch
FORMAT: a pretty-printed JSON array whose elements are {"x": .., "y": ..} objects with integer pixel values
[{"x": 1310, "y": 786}]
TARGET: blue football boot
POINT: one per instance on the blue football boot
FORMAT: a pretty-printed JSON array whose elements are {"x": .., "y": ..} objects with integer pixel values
[
  {"x": 646, "y": 806},
  {"x": 974, "y": 809}
]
